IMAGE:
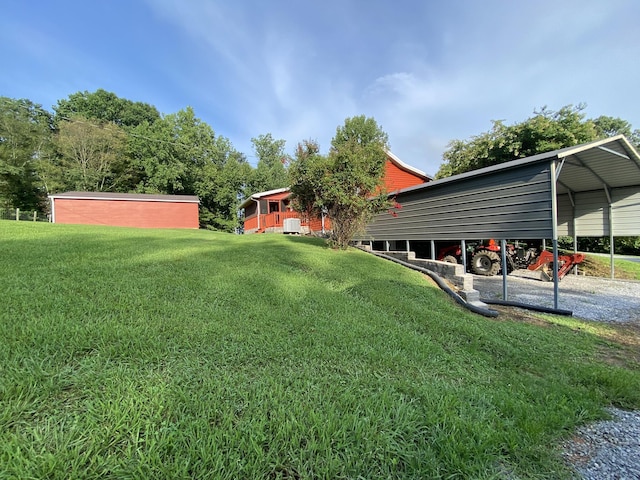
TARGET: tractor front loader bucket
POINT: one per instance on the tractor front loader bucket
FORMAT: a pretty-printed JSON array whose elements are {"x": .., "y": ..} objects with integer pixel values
[{"x": 544, "y": 263}]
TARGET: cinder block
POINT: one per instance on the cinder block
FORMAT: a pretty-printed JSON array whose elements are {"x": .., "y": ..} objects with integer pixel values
[{"x": 470, "y": 296}]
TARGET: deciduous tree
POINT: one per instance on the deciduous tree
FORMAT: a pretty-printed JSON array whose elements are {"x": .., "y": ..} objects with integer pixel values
[
  {"x": 306, "y": 174},
  {"x": 25, "y": 138},
  {"x": 180, "y": 154},
  {"x": 220, "y": 189},
  {"x": 271, "y": 172},
  {"x": 92, "y": 155},
  {"x": 107, "y": 107},
  {"x": 350, "y": 183},
  {"x": 547, "y": 130}
]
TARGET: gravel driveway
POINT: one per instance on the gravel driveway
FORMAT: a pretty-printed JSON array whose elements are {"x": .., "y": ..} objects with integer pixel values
[
  {"x": 603, "y": 450},
  {"x": 591, "y": 298}
]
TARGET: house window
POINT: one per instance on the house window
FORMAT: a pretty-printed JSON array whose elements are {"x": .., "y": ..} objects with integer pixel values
[{"x": 274, "y": 207}]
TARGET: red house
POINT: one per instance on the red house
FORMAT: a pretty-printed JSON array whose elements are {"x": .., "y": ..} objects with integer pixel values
[
  {"x": 125, "y": 209},
  {"x": 271, "y": 211},
  {"x": 399, "y": 175}
]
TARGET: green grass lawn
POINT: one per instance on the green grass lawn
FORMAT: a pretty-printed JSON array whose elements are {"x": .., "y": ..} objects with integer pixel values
[
  {"x": 190, "y": 354},
  {"x": 600, "y": 266}
]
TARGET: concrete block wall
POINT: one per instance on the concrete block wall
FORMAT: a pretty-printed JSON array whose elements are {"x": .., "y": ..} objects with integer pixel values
[{"x": 453, "y": 273}]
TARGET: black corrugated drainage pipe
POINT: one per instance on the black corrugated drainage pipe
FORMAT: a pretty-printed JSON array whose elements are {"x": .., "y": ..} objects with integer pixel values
[
  {"x": 441, "y": 283},
  {"x": 535, "y": 308}
]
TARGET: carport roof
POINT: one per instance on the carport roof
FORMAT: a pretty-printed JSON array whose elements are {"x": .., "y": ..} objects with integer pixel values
[{"x": 608, "y": 163}]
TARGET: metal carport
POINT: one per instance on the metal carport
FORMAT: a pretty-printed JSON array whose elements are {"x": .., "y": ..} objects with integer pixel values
[{"x": 585, "y": 190}]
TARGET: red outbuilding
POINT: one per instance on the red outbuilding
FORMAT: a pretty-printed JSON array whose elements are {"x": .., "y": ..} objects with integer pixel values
[{"x": 125, "y": 209}]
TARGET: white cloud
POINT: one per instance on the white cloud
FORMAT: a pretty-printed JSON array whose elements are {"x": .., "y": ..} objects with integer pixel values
[
  {"x": 270, "y": 70},
  {"x": 478, "y": 62}
]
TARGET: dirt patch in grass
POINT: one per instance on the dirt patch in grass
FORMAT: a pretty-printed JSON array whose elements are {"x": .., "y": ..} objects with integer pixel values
[
  {"x": 600, "y": 267},
  {"x": 594, "y": 268},
  {"x": 520, "y": 315},
  {"x": 621, "y": 344},
  {"x": 628, "y": 338}
]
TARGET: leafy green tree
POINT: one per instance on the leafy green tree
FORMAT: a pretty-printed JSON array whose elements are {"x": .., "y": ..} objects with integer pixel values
[
  {"x": 349, "y": 185},
  {"x": 180, "y": 154},
  {"x": 353, "y": 192},
  {"x": 306, "y": 174},
  {"x": 25, "y": 138},
  {"x": 547, "y": 130},
  {"x": 107, "y": 107},
  {"x": 220, "y": 189},
  {"x": 271, "y": 172},
  {"x": 104, "y": 115},
  {"x": 92, "y": 155},
  {"x": 611, "y": 126},
  {"x": 157, "y": 152}
]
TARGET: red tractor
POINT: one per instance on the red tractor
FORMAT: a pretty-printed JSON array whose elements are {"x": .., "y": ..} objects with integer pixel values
[
  {"x": 544, "y": 263},
  {"x": 486, "y": 259}
]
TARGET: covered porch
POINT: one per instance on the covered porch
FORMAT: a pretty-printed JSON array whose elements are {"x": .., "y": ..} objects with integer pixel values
[{"x": 271, "y": 212}]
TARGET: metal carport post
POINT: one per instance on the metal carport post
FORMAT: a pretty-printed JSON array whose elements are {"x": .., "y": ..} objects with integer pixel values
[{"x": 554, "y": 230}]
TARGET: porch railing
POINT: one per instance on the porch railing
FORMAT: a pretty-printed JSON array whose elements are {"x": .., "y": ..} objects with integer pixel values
[{"x": 276, "y": 220}]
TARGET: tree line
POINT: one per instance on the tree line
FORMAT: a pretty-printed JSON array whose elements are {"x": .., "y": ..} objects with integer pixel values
[
  {"x": 100, "y": 142},
  {"x": 545, "y": 131}
]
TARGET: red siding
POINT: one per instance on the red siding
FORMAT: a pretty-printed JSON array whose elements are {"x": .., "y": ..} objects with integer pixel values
[
  {"x": 315, "y": 225},
  {"x": 126, "y": 213},
  {"x": 396, "y": 178},
  {"x": 276, "y": 196}
]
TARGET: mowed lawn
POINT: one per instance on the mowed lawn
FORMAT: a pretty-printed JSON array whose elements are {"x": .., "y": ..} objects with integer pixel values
[{"x": 191, "y": 354}]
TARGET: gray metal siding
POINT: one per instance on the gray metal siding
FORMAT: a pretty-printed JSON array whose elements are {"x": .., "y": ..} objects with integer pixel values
[
  {"x": 513, "y": 200},
  {"x": 626, "y": 211},
  {"x": 565, "y": 216},
  {"x": 592, "y": 214},
  {"x": 512, "y": 203}
]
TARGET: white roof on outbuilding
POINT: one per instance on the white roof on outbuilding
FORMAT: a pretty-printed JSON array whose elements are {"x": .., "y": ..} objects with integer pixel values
[{"x": 146, "y": 197}]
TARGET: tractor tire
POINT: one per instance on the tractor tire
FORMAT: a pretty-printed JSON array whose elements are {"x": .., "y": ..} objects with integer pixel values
[
  {"x": 485, "y": 262},
  {"x": 450, "y": 259}
]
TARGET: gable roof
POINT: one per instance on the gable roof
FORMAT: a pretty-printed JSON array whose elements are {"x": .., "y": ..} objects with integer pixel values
[
  {"x": 259, "y": 195},
  {"x": 586, "y": 167},
  {"x": 390, "y": 157},
  {"x": 407, "y": 168}
]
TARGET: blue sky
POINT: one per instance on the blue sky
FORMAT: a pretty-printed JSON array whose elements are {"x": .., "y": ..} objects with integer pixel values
[{"x": 427, "y": 71}]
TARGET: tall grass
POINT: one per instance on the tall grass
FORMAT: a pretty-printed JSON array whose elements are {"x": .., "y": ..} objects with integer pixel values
[{"x": 191, "y": 354}]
